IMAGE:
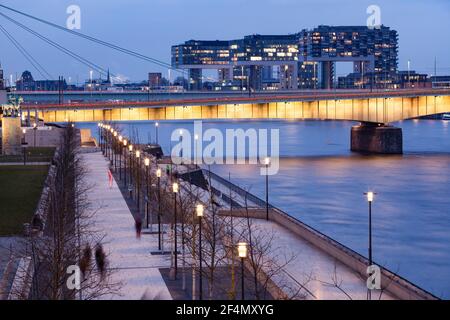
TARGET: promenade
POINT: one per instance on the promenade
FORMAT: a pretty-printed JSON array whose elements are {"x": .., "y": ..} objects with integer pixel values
[{"x": 134, "y": 266}]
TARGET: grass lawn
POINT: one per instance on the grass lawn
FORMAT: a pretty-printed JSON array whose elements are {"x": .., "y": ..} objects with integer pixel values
[
  {"x": 20, "y": 189},
  {"x": 34, "y": 154}
]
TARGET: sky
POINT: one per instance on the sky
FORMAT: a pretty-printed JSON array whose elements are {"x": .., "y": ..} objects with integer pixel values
[{"x": 151, "y": 27}]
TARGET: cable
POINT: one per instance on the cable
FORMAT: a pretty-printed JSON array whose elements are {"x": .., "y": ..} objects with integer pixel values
[
  {"x": 59, "y": 47},
  {"x": 101, "y": 42},
  {"x": 27, "y": 55}
]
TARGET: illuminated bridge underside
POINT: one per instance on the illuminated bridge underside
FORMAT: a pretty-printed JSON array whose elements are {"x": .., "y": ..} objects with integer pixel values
[{"x": 376, "y": 110}]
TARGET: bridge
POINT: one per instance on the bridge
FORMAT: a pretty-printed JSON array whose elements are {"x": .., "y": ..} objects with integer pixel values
[{"x": 375, "y": 110}]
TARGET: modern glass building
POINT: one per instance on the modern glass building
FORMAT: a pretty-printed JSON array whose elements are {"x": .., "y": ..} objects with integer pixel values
[{"x": 303, "y": 60}]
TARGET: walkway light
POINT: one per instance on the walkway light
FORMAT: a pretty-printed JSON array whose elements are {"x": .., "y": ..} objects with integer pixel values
[
  {"x": 130, "y": 147},
  {"x": 370, "y": 196},
  {"x": 115, "y": 134},
  {"x": 158, "y": 173},
  {"x": 146, "y": 162},
  {"x": 125, "y": 142},
  {"x": 242, "y": 252},
  {"x": 174, "y": 230},
  {"x": 242, "y": 249},
  {"x": 267, "y": 163},
  {"x": 120, "y": 138},
  {"x": 199, "y": 211},
  {"x": 138, "y": 154}
]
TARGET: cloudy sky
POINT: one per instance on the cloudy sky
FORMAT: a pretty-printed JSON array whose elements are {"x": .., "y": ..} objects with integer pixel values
[{"x": 152, "y": 26}]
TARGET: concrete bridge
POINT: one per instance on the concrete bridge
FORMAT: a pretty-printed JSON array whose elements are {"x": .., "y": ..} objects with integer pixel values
[{"x": 375, "y": 110}]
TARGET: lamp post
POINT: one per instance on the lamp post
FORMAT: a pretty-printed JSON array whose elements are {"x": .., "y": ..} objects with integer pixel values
[
  {"x": 115, "y": 150},
  {"x": 34, "y": 129},
  {"x": 160, "y": 235},
  {"x": 119, "y": 149},
  {"x": 267, "y": 163},
  {"x": 370, "y": 197},
  {"x": 130, "y": 151},
  {"x": 242, "y": 252},
  {"x": 125, "y": 142},
  {"x": 174, "y": 229},
  {"x": 156, "y": 131},
  {"x": 138, "y": 180},
  {"x": 200, "y": 210},
  {"x": 148, "y": 181},
  {"x": 181, "y": 140}
]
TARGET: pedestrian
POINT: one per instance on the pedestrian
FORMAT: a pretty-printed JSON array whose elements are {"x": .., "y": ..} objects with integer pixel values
[
  {"x": 110, "y": 179},
  {"x": 138, "y": 227}
]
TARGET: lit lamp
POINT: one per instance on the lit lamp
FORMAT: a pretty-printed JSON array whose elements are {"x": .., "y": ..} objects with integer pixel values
[
  {"x": 138, "y": 182},
  {"x": 34, "y": 129},
  {"x": 267, "y": 163},
  {"x": 148, "y": 186},
  {"x": 199, "y": 210},
  {"x": 175, "y": 189},
  {"x": 125, "y": 142},
  {"x": 370, "y": 196},
  {"x": 130, "y": 151},
  {"x": 242, "y": 253},
  {"x": 160, "y": 240}
]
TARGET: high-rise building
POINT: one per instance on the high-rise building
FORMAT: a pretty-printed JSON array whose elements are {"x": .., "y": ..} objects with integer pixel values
[
  {"x": 304, "y": 60},
  {"x": 370, "y": 50}
]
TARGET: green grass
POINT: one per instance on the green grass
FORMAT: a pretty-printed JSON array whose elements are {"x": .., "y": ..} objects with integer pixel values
[
  {"x": 20, "y": 190},
  {"x": 34, "y": 154}
]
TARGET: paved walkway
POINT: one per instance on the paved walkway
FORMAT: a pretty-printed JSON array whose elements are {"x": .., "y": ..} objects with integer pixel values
[{"x": 137, "y": 269}]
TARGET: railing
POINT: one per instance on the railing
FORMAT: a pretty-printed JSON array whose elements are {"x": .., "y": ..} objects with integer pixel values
[{"x": 394, "y": 277}]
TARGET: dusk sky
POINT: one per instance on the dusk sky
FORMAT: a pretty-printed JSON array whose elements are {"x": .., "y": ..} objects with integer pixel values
[{"x": 152, "y": 26}]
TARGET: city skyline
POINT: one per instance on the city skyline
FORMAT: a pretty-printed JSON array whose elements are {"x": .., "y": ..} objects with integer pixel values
[{"x": 103, "y": 21}]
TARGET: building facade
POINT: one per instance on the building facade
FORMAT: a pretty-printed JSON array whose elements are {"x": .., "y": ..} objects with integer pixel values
[{"x": 304, "y": 60}]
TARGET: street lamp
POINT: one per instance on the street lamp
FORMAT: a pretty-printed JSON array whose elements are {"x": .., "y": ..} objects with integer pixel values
[
  {"x": 200, "y": 210},
  {"x": 160, "y": 242},
  {"x": 148, "y": 183},
  {"x": 267, "y": 163},
  {"x": 174, "y": 228},
  {"x": 115, "y": 150},
  {"x": 125, "y": 142},
  {"x": 130, "y": 151},
  {"x": 34, "y": 129},
  {"x": 242, "y": 253},
  {"x": 119, "y": 149},
  {"x": 138, "y": 180},
  {"x": 370, "y": 197}
]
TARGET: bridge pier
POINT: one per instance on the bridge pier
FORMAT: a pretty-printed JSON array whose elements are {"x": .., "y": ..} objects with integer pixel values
[{"x": 376, "y": 138}]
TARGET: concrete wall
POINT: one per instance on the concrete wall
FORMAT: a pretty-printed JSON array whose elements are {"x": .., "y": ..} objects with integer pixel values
[
  {"x": 11, "y": 136},
  {"x": 394, "y": 284},
  {"x": 43, "y": 137}
]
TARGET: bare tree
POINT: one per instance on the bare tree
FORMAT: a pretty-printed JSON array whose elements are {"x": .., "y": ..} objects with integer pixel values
[{"x": 64, "y": 241}]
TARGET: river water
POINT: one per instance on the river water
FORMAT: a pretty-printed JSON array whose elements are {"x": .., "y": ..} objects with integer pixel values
[{"x": 322, "y": 183}]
